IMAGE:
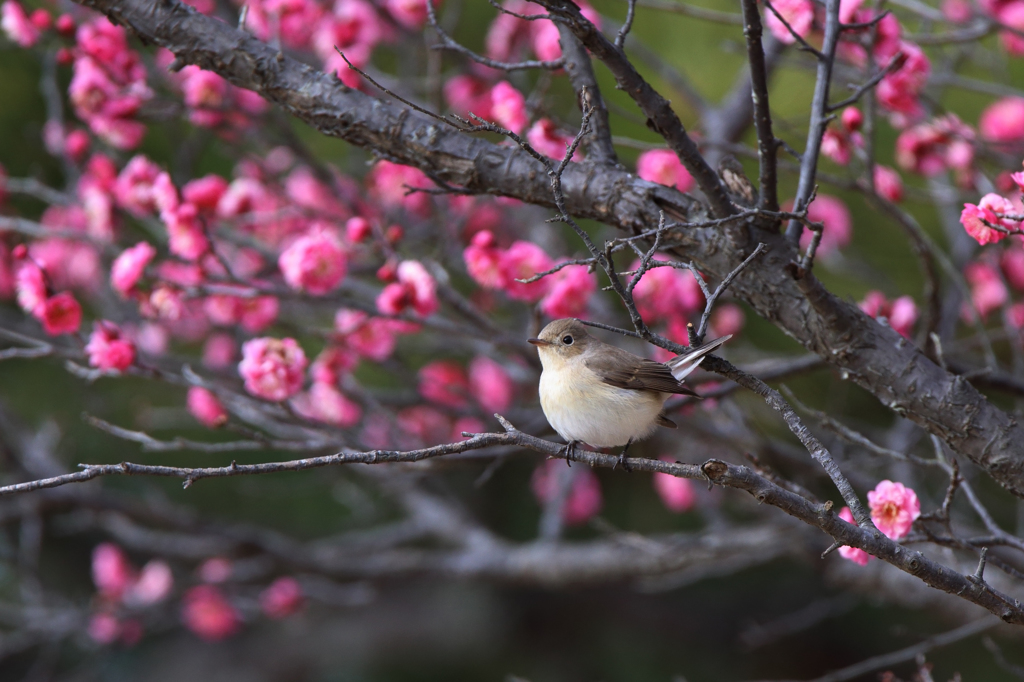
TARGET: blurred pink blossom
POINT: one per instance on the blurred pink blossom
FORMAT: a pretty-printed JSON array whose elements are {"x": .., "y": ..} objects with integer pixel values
[
  {"x": 988, "y": 292},
  {"x": 315, "y": 262},
  {"x": 1003, "y": 121},
  {"x": 900, "y": 314},
  {"x": 726, "y": 319},
  {"x": 664, "y": 167},
  {"x": 1012, "y": 16},
  {"x": 108, "y": 348},
  {"x": 569, "y": 293},
  {"x": 154, "y": 584},
  {"x": 207, "y": 613},
  {"x": 389, "y": 183},
  {"x": 490, "y": 384},
  {"x": 60, "y": 314},
  {"x": 273, "y": 369},
  {"x": 546, "y": 138},
  {"x": 282, "y": 598},
  {"x": 414, "y": 289},
  {"x": 205, "y": 193},
  {"x": 523, "y": 260},
  {"x": 894, "y": 507},
  {"x": 444, "y": 382},
  {"x": 832, "y": 212},
  {"x": 900, "y": 90},
  {"x": 799, "y": 14},
  {"x": 370, "y": 337},
  {"x": 664, "y": 293},
  {"x": 857, "y": 556},
  {"x": 584, "y": 500},
  {"x": 508, "y": 107},
  {"x": 187, "y": 237},
  {"x": 483, "y": 261},
  {"x": 676, "y": 493},
  {"x": 15, "y": 23},
  {"x": 977, "y": 219},
  {"x": 940, "y": 144},
  {"x": 129, "y": 266},
  {"x": 888, "y": 184},
  {"x": 111, "y": 572},
  {"x": 325, "y": 403},
  {"x": 425, "y": 424},
  {"x": 206, "y": 407},
  {"x": 143, "y": 188},
  {"x": 215, "y": 570},
  {"x": 219, "y": 351},
  {"x": 104, "y": 628}
]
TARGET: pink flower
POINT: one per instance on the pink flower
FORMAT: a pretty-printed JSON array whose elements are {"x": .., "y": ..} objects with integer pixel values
[
  {"x": 208, "y": 614},
  {"x": 799, "y": 14},
  {"x": 727, "y": 318},
  {"x": 16, "y": 24},
  {"x": 888, "y": 184},
  {"x": 676, "y": 493},
  {"x": 664, "y": 167},
  {"x": 857, "y": 556},
  {"x": 104, "y": 628},
  {"x": 60, "y": 314},
  {"x": 129, "y": 266},
  {"x": 508, "y": 107},
  {"x": 205, "y": 193},
  {"x": 545, "y": 137},
  {"x": 901, "y": 314},
  {"x": 30, "y": 285},
  {"x": 108, "y": 348},
  {"x": 219, "y": 351},
  {"x": 444, "y": 383},
  {"x": 282, "y": 598},
  {"x": 371, "y": 338},
  {"x": 67, "y": 263},
  {"x": 111, "y": 572},
  {"x": 1003, "y": 121},
  {"x": 325, "y": 403},
  {"x": 1012, "y": 15},
  {"x": 894, "y": 507},
  {"x": 154, "y": 584},
  {"x": 332, "y": 362},
  {"x": 569, "y": 293},
  {"x": 832, "y": 212},
  {"x": 273, "y": 369},
  {"x": 411, "y": 14},
  {"x": 988, "y": 292},
  {"x": 900, "y": 90},
  {"x": 1012, "y": 265},
  {"x": 664, "y": 293},
  {"x": 256, "y": 314},
  {"x": 483, "y": 261},
  {"x": 358, "y": 229},
  {"x": 523, "y": 260},
  {"x": 989, "y": 211},
  {"x": 467, "y": 94},
  {"x": 490, "y": 384},
  {"x": 957, "y": 11},
  {"x": 185, "y": 229},
  {"x": 852, "y": 119},
  {"x": 354, "y": 27},
  {"x": 930, "y": 148},
  {"x": 143, "y": 188},
  {"x": 389, "y": 183},
  {"x": 584, "y": 500},
  {"x": 206, "y": 407},
  {"x": 414, "y": 289},
  {"x": 545, "y": 36},
  {"x": 426, "y": 425},
  {"x": 315, "y": 262},
  {"x": 836, "y": 146}
]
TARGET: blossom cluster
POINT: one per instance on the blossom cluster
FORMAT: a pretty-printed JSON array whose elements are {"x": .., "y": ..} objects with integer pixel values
[{"x": 894, "y": 508}]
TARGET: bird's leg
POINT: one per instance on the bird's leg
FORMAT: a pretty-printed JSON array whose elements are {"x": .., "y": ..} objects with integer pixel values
[
  {"x": 622, "y": 457},
  {"x": 570, "y": 451}
]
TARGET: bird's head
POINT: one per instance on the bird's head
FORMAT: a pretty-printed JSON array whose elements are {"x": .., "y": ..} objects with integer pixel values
[{"x": 563, "y": 339}]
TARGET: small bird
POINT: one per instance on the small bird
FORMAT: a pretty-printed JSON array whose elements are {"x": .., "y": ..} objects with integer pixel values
[{"x": 595, "y": 393}]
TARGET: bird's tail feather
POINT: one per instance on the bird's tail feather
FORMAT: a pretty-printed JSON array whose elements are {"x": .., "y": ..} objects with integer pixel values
[{"x": 682, "y": 365}]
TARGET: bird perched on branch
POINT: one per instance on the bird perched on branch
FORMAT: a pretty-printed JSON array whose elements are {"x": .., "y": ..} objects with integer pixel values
[{"x": 595, "y": 393}]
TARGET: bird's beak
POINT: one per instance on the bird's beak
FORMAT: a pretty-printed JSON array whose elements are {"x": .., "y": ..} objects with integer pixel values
[{"x": 539, "y": 342}]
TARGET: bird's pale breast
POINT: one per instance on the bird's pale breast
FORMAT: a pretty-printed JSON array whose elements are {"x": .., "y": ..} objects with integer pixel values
[{"x": 579, "y": 406}]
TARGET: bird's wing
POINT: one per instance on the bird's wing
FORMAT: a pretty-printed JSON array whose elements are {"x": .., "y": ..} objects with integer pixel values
[
  {"x": 681, "y": 365},
  {"x": 624, "y": 370}
]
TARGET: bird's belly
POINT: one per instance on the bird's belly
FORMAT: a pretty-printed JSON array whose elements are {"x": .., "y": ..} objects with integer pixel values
[{"x": 599, "y": 414}]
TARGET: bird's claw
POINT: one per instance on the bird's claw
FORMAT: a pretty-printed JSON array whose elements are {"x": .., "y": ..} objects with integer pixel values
[{"x": 570, "y": 451}]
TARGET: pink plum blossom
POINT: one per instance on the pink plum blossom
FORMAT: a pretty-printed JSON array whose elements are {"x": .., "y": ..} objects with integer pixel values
[
  {"x": 30, "y": 286},
  {"x": 358, "y": 229},
  {"x": 206, "y": 407},
  {"x": 1003, "y": 121},
  {"x": 490, "y": 384},
  {"x": 988, "y": 293},
  {"x": 369, "y": 337},
  {"x": 523, "y": 260},
  {"x": 207, "y": 613},
  {"x": 111, "y": 571},
  {"x": 956, "y": 11},
  {"x": 332, "y": 363},
  {"x": 219, "y": 351},
  {"x": 978, "y": 219},
  {"x": 1012, "y": 265},
  {"x": 315, "y": 262},
  {"x": 16, "y": 24},
  {"x": 143, "y": 188},
  {"x": 852, "y": 118},
  {"x": 726, "y": 319},
  {"x": 836, "y": 146},
  {"x": 584, "y": 500},
  {"x": 664, "y": 167},
  {"x": 389, "y": 183},
  {"x": 664, "y": 293},
  {"x": 215, "y": 570},
  {"x": 129, "y": 266},
  {"x": 282, "y": 598},
  {"x": 205, "y": 193},
  {"x": 187, "y": 237},
  {"x": 900, "y": 314},
  {"x": 888, "y": 184},
  {"x": 444, "y": 382},
  {"x": 466, "y": 94},
  {"x": 426, "y": 425},
  {"x": 546, "y": 138},
  {"x": 414, "y": 289},
  {"x": 108, "y": 348},
  {"x": 857, "y": 556},
  {"x": 154, "y": 584},
  {"x": 508, "y": 107},
  {"x": 483, "y": 261},
  {"x": 799, "y": 14},
  {"x": 411, "y": 14},
  {"x": 894, "y": 507},
  {"x": 940, "y": 144},
  {"x": 900, "y": 90},
  {"x": 676, "y": 493},
  {"x": 273, "y": 369},
  {"x": 832, "y": 212},
  {"x": 325, "y": 403},
  {"x": 104, "y": 628},
  {"x": 569, "y": 292},
  {"x": 1012, "y": 16},
  {"x": 60, "y": 314}
]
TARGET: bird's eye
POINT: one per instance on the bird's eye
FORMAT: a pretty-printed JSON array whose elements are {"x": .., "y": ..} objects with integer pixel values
[{"x": 567, "y": 340}]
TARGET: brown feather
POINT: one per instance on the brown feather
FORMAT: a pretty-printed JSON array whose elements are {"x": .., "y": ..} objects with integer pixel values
[
  {"x": 662, "y": 420},
  {"x": 622, "y": 369}
]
